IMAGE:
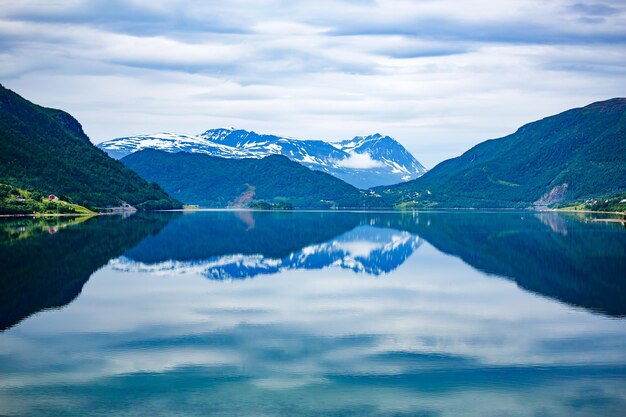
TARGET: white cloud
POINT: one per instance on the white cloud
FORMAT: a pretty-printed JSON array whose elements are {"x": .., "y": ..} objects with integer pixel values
[
  {"x": 359, "y": 160},
  {"x": 437, "y": 77}
]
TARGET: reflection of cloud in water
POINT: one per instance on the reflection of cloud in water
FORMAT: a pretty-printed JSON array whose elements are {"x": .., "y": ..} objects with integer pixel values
[
  {"x": 303, "y": 325},
  {"x": 368, "y": 249},
  {"x": 436, "y": 340}
]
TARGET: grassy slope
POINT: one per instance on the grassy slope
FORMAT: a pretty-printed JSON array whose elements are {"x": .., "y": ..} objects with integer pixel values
[
  {"x": 47, "y": 150},
  {"x": 611, "y": 203},
  {"x": 14, "y": 200},
  {"x": 218, "y": 182},
  {"x": 584, "y": 148}
]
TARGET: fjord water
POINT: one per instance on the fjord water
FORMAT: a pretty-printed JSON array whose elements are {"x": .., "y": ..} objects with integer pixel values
[{"x": 318, "y": 313}]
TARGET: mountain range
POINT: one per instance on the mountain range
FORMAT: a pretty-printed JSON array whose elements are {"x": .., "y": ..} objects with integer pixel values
[
  {"x": 364, "y": 161},
  {"x": 244, "y": 244},
  {"x": 575, "y": 156},
  {"x": 576, "y": 159}
]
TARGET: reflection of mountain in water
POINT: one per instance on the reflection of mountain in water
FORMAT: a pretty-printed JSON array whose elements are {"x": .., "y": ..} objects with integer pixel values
[
  {"x": 581, "y": 263},
  {"x": 46, "y": 261},
  {"x": 367, "y": 249},
  {"x": 203, "y": 235},
  {"x": 563, "y": 257}
]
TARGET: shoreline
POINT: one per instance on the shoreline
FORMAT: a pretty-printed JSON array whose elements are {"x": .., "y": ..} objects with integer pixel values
[
  {"x": 345, "y": 210},
  {"x": 391, "y": 210},
  {"x": 53, "y": 215},
  {"x": 623, "y": 213},
  {"x": 622, "y": 221}
]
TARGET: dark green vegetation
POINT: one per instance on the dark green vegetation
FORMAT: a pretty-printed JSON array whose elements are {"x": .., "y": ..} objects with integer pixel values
[
  {"x": 46, "y": 261},
  {"x": 219, "y": 182},
  {"x": 262, "y": 205},
  {"x": 17, "y": 201},
  {"x": 46, "y": 150},
  {"x": 575, "y": 155}
]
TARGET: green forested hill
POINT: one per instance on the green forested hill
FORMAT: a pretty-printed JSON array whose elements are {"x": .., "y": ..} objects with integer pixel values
[
  {"x": 219, "y": 182},
  {"x": 46, "y": 150},
  {"x": 575, "y": 155}
]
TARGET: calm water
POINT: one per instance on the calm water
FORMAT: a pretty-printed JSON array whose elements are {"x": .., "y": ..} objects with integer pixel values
[{"x": 317, "y": 314}]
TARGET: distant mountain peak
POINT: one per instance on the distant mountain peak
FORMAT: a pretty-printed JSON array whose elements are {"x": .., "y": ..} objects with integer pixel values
[
  {"x": 376, "y": 137},
  {"x": 372, "y": 137},
  {"x": 390, "y": 162}
]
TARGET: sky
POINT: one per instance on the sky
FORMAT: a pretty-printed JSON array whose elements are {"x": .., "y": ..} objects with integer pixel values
[{"x": 438, "y": 76}]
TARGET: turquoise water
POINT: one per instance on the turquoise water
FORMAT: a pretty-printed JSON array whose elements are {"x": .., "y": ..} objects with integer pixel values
[{"x": 314, "y": 314}]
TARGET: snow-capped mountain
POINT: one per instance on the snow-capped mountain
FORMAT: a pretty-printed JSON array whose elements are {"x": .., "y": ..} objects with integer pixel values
[
  {"x": 365, "y": 249},
  {"x": 365, "y": 161},
  {"x": 387, "y": 151},
  {"x": 170, "y": 142}
]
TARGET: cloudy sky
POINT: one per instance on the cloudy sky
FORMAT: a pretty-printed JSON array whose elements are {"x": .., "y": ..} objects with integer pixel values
[{"x": 439, "y": 76}]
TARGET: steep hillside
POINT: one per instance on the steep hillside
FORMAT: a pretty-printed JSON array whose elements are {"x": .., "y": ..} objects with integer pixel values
[
  {"x": 578, "y": 154},
  {"x": 46, "y": 150},
  {"x": 220, "y": 182}
]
